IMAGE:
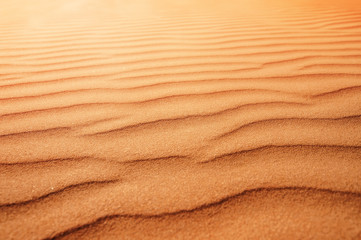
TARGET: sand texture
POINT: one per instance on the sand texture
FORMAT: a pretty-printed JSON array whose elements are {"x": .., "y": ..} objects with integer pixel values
[{"x": 180, "y": 119}]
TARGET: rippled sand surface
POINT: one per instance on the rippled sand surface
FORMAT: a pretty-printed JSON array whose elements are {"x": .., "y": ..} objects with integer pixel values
[{"x": 180, "y": 119}]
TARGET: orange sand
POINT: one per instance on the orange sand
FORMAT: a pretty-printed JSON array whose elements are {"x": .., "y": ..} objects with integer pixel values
[{"x": 180, "y": 119}]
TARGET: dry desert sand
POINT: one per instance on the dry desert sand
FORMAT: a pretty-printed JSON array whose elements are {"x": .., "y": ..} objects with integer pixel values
[{"x": 180, "y": 119}]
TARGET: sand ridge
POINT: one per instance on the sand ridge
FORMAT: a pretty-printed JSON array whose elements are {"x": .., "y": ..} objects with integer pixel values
[{"x": 194, "y": 120}]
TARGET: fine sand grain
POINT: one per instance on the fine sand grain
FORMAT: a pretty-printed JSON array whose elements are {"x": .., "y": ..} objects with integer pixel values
[{"x": 180, "y": 119}]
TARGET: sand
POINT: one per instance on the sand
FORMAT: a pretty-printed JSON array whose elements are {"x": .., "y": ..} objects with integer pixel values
[{"x": 180, "y": 119}]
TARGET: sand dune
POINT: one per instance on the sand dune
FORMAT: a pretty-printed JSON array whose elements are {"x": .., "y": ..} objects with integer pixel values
[{"x": 190, "y": 120}]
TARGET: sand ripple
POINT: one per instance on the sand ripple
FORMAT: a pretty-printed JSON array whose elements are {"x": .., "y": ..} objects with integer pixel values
[{"x": 237, "y": 120}]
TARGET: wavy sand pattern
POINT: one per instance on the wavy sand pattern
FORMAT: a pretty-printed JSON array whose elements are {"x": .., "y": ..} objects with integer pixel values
[{"x": 191, "y": 120}]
